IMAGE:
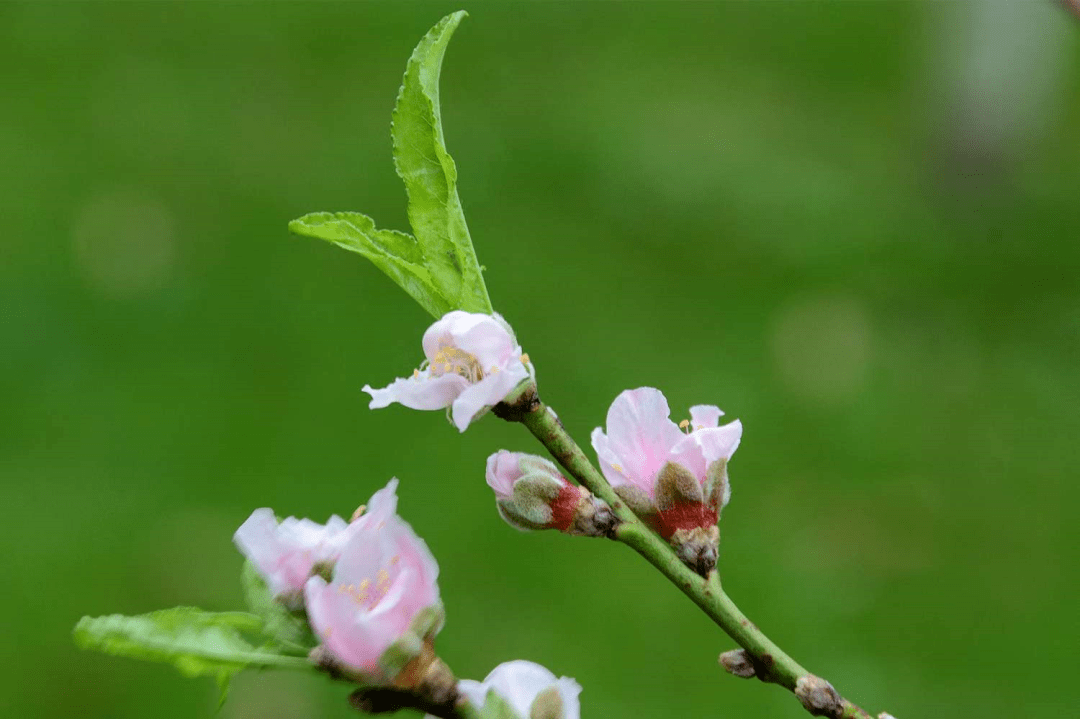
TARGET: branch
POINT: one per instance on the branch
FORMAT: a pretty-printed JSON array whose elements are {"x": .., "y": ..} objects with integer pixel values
[
  {"x": 769, "y": 662},
  {"x": 386, "y": 700}
]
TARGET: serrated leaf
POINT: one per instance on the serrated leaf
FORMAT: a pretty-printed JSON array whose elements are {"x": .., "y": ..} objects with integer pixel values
[
  {"x": 197, "y": 643},
  {"x": 430, "y": 174},
  {"x": 438, "y": 266},
  {"x": 495, "y": 707},
  {"x": 284, "y": 628},
  {"x": 395, "y": 253}
]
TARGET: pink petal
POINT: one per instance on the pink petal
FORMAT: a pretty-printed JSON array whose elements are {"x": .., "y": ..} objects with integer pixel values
[
  {"x": 488, "y": 392},
  {"x": 480, "y": 335},
  {"x": 702, "y": 447},
  {"x": 503, "y": 469},
  {"x": 488, "y": 341},
  {"x": 422, "y": 392},
  {"x": 704, "y": 415},
  {"x": 640, "y": 434},
  {"x": 342, "y": 627},
  {"x": 610, "y": 463},
  {"x": 285, "y": 552}
]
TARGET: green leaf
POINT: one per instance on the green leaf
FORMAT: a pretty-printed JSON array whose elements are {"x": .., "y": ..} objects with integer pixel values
[
  {"x": 495, "y": 707},
  {"x": 395, "y": 253},
  {"x": 286, "y": 629},
  {"x": 437, "y": 267},
  {"x": 197, "y": 643},
  {"x": 430, "y": 175}
]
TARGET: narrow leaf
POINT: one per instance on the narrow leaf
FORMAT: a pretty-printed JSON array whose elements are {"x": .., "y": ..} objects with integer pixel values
[
  {"x": 430, "y": 175},
  {"x": 395, "y": 253},
  {"x": 197, "y": 643}
]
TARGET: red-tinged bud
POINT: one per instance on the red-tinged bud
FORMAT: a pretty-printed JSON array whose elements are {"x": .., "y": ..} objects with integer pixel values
[{"x": 532, "y": 494}]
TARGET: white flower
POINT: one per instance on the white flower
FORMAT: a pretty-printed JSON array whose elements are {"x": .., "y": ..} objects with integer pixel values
[
  {"x": 473, "y": 362},
  {"x": 529, "y": 689}
]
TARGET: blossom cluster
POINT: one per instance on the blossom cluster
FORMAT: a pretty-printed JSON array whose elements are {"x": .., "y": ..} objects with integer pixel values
[
  {"x": 368, "y": 586},
  {"x": 369, "y": 592}
]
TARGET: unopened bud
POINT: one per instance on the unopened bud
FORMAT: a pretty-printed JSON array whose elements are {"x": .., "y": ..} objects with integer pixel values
[
  {"x": 885, "y": 715},
  {"x": 532, "y": 494},
  {"x": 738, "y": 662},
  {"x": 818, "y": 696},
  {"x": 698, "y": 548}
]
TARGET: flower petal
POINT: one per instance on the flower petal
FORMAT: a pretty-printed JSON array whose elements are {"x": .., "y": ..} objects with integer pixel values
[
  {"x": 518, "y": 682},
  {"x": 702, "y": 447},
  {"x": 610, "y": 462},
  {"x": 341, "y": 628},
  {"x": 488, "y": 392},
  {"x": 503, "y": 469},
  {"x": 419, "y": 392},
  {"x": 480, "y": 335},
  {"x": 640, "y": 434},
  {"x": 703, "y": 416}
]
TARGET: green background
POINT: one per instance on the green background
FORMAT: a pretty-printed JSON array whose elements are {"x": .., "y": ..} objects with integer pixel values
[{"x": 854, "y": 226}]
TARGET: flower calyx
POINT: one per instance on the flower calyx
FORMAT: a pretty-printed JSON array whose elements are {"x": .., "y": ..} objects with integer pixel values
[{"x": 531, "y": 493}]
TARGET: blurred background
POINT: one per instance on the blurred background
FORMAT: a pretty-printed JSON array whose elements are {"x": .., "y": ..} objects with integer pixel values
[{"x": 854, "y": 226}]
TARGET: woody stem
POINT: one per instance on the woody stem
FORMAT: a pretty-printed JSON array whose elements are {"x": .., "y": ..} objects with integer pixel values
[{"x": 771, "y": 662}]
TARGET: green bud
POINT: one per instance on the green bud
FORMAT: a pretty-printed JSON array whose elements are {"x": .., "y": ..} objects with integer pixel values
[
  {"x": 636, "y": 499},
  {"x": 717, "y": 489},
  {"x": 676, "y": 485}
]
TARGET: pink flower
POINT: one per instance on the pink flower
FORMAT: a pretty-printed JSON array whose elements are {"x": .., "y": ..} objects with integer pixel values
[
  {"x": 531, "y": 494},
  {"x": 677, "y": 480},
  {"x": 529, "y": 689},
  {"x": 287, "y": 553},
  {"x": 473, "y": 362},
  {"x": 383, "y": 602}
]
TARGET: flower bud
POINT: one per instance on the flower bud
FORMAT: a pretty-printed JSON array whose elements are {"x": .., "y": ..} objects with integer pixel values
[
  {"x": 739, "y": 663},
  {"x": 531, "y": 494},
  {"x": 818, "y": 696},
  {"x": 529, "y": 689}
]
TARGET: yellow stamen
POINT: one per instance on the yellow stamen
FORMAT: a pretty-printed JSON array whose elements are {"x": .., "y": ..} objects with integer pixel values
[
  {"x": 358, "y": 513},
  {"x": 451, "y": 359},
  {"x": 525, "y": 358}
]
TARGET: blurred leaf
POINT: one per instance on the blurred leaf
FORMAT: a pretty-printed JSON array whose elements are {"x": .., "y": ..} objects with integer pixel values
[
  {"x": 286, "y": 629},
  {"x": 395, "y": 253},
  {"x": 431, "y": 177},
  {"x": 197, "y": 643},
  {"x": 438, "y": 267}
]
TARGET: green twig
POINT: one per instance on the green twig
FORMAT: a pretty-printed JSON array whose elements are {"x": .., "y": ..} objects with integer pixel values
[{"x": 771, "y": 663}]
